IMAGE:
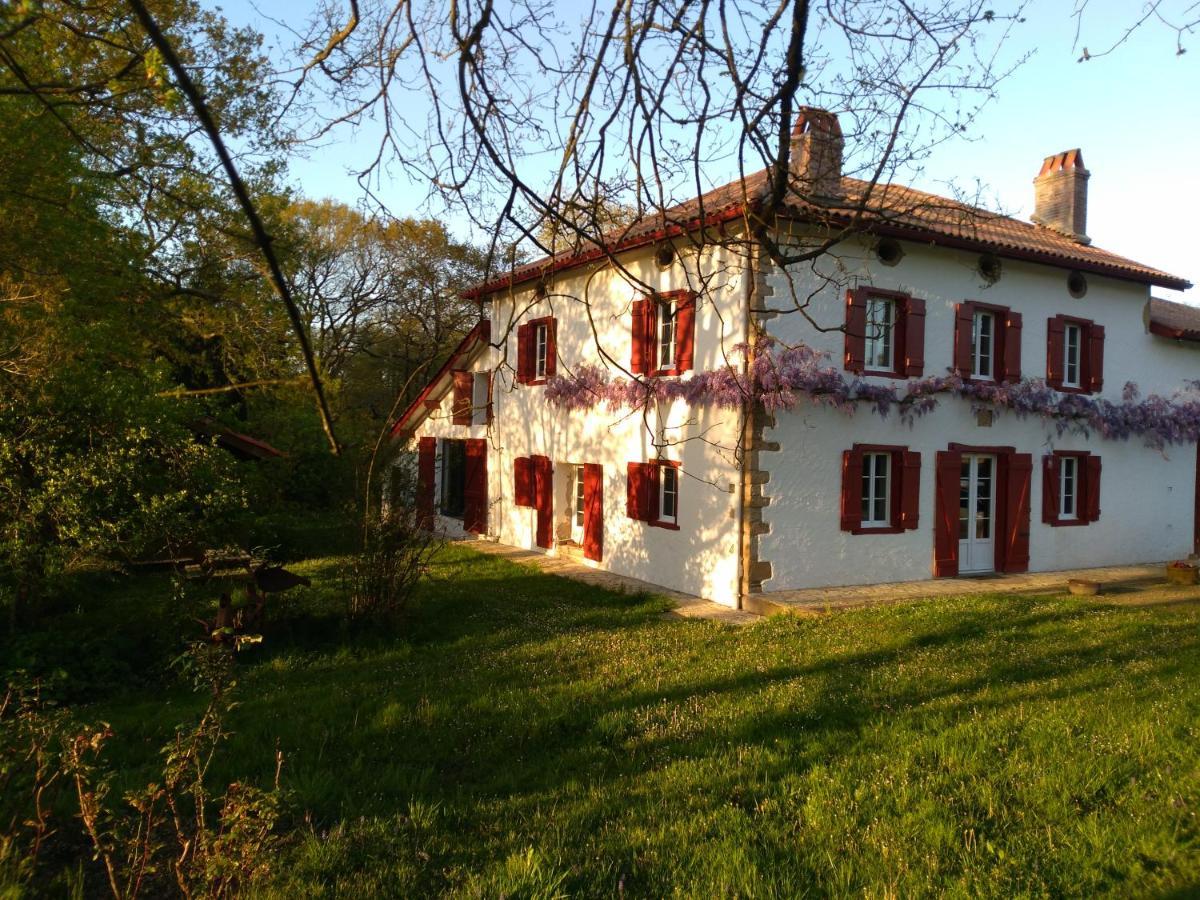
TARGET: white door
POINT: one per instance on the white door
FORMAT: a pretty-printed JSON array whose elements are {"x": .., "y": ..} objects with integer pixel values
[{"x": 977, "y": 514}]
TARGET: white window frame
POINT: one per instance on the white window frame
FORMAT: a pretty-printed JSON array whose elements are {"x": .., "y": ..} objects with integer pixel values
[
  {"x": 1068, "y": 475},
  {"x": 541, "y": 348},
  {"x": 977, "y": 342},
  {"x": 1075, "y": 381},
  {"x": 666, "y": 348},
  {"x": 871, "y": 491},
  {"x": 668, "y": 474},
  {"x": 580, "y": 497},
  {"x": 879, "y": 353}
]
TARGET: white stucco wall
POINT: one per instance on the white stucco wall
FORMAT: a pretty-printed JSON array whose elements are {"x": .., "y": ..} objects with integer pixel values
[
  {"x": 701, "y": 557},
  {"x": 1147, "y": 496}
]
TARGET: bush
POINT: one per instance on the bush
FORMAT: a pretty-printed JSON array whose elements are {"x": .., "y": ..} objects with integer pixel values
[{"x": 396, "y": 552}]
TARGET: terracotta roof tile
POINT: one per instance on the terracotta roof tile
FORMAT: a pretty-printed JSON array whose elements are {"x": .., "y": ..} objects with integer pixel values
[
  {"x": 1174, "y": 320},
  {"x": 894, "y": 210}
]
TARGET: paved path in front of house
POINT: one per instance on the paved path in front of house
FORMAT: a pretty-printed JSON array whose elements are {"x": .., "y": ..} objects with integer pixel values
[
  {"x": 1122, "y": 584},
  {"x": 1133, "y": 585},
  {"x": 686, "y": 605}
]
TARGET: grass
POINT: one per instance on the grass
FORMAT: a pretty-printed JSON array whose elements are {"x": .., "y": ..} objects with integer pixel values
[{"x": 525, "y": 736}]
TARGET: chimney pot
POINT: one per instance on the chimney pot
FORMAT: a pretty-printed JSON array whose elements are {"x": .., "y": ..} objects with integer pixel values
[
  {"x": 1060, "y": 195},
  {"x": 817, "y": 146}
]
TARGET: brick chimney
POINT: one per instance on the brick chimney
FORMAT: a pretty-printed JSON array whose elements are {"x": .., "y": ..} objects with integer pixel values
[
  {"x": 817, "y": 153},
  {"x": 1060, "y": 195}
]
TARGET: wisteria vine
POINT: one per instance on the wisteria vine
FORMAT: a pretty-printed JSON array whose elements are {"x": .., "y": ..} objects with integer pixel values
[{"x": 781, "y": 378}]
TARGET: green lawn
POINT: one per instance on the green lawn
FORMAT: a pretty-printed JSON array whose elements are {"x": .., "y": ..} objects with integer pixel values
[{"x": 525, "y": 736}]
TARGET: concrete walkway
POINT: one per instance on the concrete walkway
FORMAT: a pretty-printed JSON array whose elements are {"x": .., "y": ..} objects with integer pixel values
[
  {"x": 1144, "y": 583},
  {"x": 686, "y": 605},
  {"x": 1133, "y": 585}
]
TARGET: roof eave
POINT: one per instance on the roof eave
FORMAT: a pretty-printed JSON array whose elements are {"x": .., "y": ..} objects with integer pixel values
[{"x": 481, "y": 333}]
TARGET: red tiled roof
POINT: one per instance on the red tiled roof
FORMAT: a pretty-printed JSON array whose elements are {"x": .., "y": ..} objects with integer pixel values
[
  {"x": 1174, "y": 320},
  {"x": 892, "y": 210}
]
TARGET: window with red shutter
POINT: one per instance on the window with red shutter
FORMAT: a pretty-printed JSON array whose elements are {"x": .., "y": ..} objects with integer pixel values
[
  {"x": 881, "y": 487},
  {"x": 1074, "y": 355},
  {"x": 914, "y": 337},
  {"x": 460, "y": 404},
  {"x": 685, "y": 333},
  {"x": 1010, "y": 360},
  {"x": 644, "y": 492},
  {"x": 475, "y": 487},
  {"x": 1070, "y": 488},
  {"x": 523, "y": 481},
  {"x": 884, "y": 333},
  {"x": 987, "y": 342},
  {"x": 964, "y": 339},
  {"x": 663, "y": 334},
  {"x": 640, "y": 337},
  {"x": 856, "y": 330},
  {"x": 524, "y": 354}
]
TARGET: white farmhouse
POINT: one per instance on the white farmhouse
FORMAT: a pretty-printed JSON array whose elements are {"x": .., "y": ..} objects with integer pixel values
[{"x": 655, "y": 406}]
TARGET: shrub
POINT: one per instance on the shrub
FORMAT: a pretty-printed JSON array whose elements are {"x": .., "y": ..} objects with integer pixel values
[{"x": 396, "y": 552}]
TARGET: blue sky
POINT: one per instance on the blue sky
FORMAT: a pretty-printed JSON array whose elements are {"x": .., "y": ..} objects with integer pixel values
[{"x": 1135, "y": 113}]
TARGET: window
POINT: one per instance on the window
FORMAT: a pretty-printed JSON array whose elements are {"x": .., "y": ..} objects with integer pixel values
[
  {"x": 1070, "y": 488},
  {"x": 481, "y": 398},
  {"x": 668, "y": 503},
  {"x": 876, "y": 494},
  {"x": 881, "y": 488},
  {"x": 537, "y": 354},
  {"x": 880, "y": 334},
  {"x": 1072, "y": 336},
  {"x": 653, "y": 493},
  {"x": 983, "y": 344},
  {"x": 580, "y": 502},
  {"x": 454, "y": 477},
  {"x": 666, "y": 335},
  {"x": 885, "y": 333},
  {"x": 541, "y": 338},
  {"x": 663, "y": 334},
  {"x": 987, "y": 342},
  {"x": 1067, "y": 483},
  {"x": 1074, "y": 355}
]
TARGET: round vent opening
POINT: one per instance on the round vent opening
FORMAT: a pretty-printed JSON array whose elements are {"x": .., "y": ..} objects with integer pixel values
[
  {"x": 665, "y": 255},
  {"x": 989, "y": 268},
  {"x": 889, "y": 252},
  {"x": 1076, "y": 284}
]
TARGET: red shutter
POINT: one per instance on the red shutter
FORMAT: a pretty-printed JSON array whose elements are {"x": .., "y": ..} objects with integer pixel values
[
  {"x": 524, "y": 353},
  {"x": 852, "y": 467},
  {"x": 639, "y": 361},
  {"x": 426, "y": 458},
  {"x": 910, "y": 488},
  {"x": 1050, "y": 499},
  {"x": 1011, "y": 363},
  {"x": 593, "y": 511},
  {"x": 1091, "y": 487},
  {"x": 1054, "y": 352},
  {"x": 856, "y": 330},
  {"x": 945, "y": 524},
  {"x": 460, "y": 406},
  {"x": 1095, "y": 358},
  {"x": 964, "y": 325},
  {"x": 543, "y": 490},
  {"x": 914, "y": 338},
  {"x": 551, "y": 346},
  {"x": 1018, "y": 486},
  {"x": 475, "y": 487},
  {"x": 523, "y": 481},
  {"x": 685, "y": 333},
  {"x": 491, "y": 409},
  {"x": 641, "y": 499}
]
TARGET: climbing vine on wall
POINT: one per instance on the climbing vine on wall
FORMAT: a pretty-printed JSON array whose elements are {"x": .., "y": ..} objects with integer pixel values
[{"x": 782, "y": 377}]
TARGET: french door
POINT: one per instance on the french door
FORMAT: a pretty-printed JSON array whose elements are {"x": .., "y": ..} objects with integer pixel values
[{"x": 977, "y": 513}]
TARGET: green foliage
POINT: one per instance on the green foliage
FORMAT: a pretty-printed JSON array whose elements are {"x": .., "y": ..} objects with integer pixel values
[{"x": 526, "y": 735}]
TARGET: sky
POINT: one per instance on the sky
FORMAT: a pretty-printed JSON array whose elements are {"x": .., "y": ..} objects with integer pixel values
[{"x": 1134, "y": 113}]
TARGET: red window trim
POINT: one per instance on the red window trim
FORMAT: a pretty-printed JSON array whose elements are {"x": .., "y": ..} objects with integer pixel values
[
  {"x": 1007, "y": 322},
  {"x": 682, "y": 340},
  {"x": 1087, "y": 329},
  {"x": 896, "y": 490},
  {"x": 908, "y": 342},
  {"x": 1083, "y": 489}
]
